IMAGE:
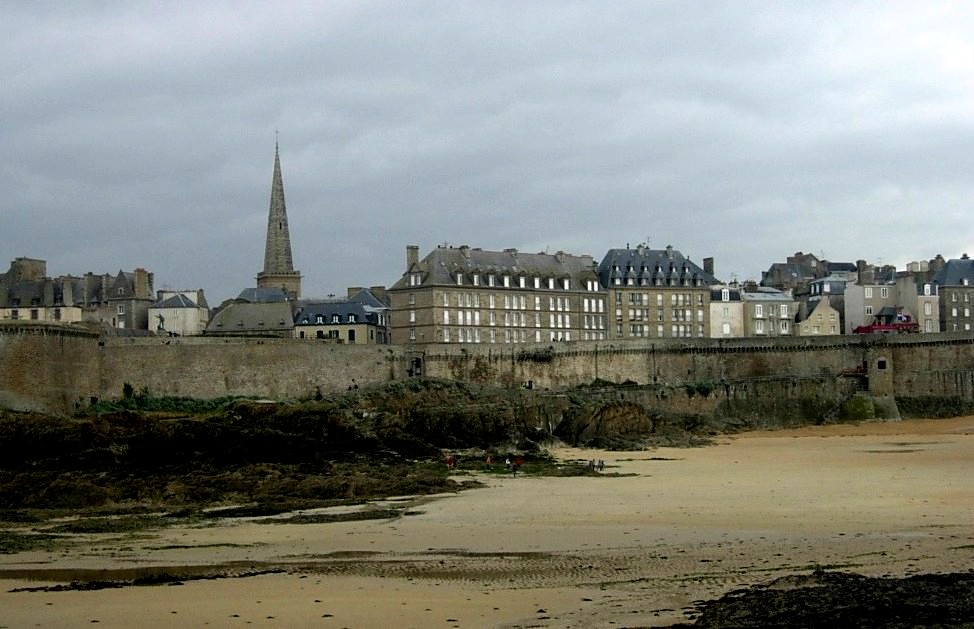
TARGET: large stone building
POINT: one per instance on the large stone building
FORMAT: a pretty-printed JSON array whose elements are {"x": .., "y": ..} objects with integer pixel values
[
  {"x": 955, "y": 286},
  {"x": 119, "y": 302},
  {"x": 769, "y": 312},
  {"x": 471, "y": 295},
  {"x": 656, "y": 293}
]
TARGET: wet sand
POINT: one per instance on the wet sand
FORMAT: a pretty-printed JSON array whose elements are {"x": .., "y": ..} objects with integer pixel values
[{"x": 636, "y": 547}]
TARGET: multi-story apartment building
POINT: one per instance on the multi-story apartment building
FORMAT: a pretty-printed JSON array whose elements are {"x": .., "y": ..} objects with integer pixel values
[
  {"x": 470, "y": 295},
  {"x": 955, "y": 286},
  {"x": 920, "y": 299},
  {"x": 863, "y": 303},
  {"x": 768, "y": 312},
  {"x": 656, "y": 293},
  {"x": 726, "y": 312}
]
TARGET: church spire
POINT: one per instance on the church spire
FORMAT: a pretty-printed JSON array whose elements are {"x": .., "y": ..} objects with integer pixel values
[{"x": 278, "y": 264}]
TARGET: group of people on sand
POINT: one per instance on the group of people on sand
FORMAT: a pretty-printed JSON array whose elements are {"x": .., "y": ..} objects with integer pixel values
[
  {"x": 512, "y": 463},
  {"x": 596, "y": 465}
]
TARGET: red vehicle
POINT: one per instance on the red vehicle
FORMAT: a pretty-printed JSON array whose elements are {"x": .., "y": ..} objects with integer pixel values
[{"x": 889, "y": 321}]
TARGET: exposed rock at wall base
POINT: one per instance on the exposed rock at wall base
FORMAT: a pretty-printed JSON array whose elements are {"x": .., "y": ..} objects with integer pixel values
[
  {"x": 835, "y": 599},
  {"x": 934, "y": 406}
]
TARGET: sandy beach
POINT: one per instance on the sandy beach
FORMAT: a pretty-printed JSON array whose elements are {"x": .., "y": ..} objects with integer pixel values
[{"x": 635, "y": 547}]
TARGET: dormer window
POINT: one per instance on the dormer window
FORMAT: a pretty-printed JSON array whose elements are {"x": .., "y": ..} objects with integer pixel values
[
  {"x": 724, "y": 295},
  {"x": 336, "y": 318},
  {"x": 459, "y": 279},
  {"x": 566, "y": 283},
  {"x": 507, "y": 281},
  {"x": 476, "y": 279},
  {"x": 551, "y": 283},
  {"x": 351, "y": 318},
  {"x": 490, "y": 280},
  {"x": 318, "y": 319}
]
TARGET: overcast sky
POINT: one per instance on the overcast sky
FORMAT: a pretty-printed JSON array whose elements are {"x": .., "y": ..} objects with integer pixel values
[{"x": 142, "y": 134}]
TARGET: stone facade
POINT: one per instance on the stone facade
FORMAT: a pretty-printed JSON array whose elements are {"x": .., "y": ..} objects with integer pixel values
[
  {"x": 769, "y": 312},
  {"x": 62, "y": 368},
  {"x": 726, "y": 312},
  {"x": 470, "y": 295},
  {"x": 955, "y": 285},
  {"x": 823, "y": 320},
  {"x": 656, "y": 293}
]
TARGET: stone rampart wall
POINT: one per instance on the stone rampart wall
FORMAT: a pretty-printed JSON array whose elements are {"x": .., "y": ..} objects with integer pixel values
[
  {"x": 202, "y": 367},
  {"x": 58, "y": 368},
  {"x": 47, "y": 368}
]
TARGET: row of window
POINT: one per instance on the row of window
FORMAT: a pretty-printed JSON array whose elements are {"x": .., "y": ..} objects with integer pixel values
[
  {"x": 516, "y": 319},
  {"x": 515, "y": 302},
  {"x": 657, "y": 281},
  {"x": 784, "y": 327},
  {"x": 676, "y": 299},
  {"x": 645, "y": 314},
  {"x": 782, "y": 309},
  {"x": 335, "y": 318},
  {"x": 34, "y": 314},
  {"x": 522, "y": 281},
  {"x": 473, "y": 335}
]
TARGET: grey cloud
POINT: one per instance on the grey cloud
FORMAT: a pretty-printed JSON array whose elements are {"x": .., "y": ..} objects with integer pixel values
[{"x": 143, "y": 133}]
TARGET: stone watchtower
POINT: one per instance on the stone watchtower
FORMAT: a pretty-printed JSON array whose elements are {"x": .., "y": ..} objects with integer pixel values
[{"x": 278, "y": 266}]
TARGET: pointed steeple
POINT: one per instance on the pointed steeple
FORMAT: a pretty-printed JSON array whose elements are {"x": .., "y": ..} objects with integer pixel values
[{"x": 278, "y": 264}]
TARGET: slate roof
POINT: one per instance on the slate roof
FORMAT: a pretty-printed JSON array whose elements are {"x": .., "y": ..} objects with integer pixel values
[
  {"x": 836, "y": 284},
  {"x": 716, "y": 293},
  {"x": 26, "y": 293},
  {"x": 248, "y": 318},
  {"x": 841, "y": 267},
  {"x": 955, "y": 272},
  {"x": 441, "y": 266},
  {"x": 367, "y": 298},
  {"x": 789, "y": 269},
  {"x": 262, "y": 295},
  {"x": 309, "y": 311},
  {"x": 177, "y": 301},
  {"x": 649, "y": 267}
]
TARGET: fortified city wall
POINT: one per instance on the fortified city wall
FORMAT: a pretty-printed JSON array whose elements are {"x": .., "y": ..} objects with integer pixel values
[{"x": 62, "y": 368}]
